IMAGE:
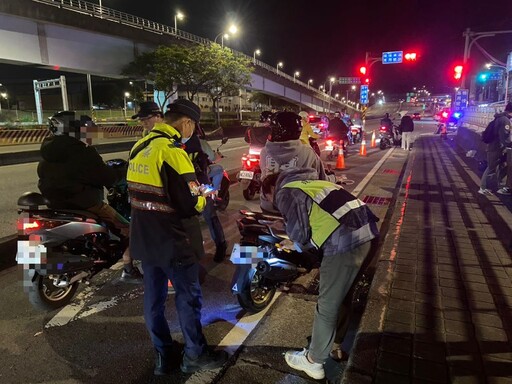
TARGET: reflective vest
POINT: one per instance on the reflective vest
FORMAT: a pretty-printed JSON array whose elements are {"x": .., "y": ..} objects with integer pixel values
[
  {"x": 144, "y": 170},
  {"x": 332, "y": 206}
]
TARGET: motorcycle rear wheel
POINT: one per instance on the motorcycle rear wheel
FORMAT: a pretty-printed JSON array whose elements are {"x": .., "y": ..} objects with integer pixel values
[
  {"x": 384, "y": 143},
  {"x": 255, "y": 297},
  {"x": 45, "y": 296},
  {"x": 249, "y": 193},
  {"x": 222, "y": 205}
]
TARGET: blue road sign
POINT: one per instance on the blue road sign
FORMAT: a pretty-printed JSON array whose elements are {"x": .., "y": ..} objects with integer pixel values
[
  {"x": 393, "y": 57},
  {"x": 461, "y": 99},
  {"x": 364, "y": 94}
]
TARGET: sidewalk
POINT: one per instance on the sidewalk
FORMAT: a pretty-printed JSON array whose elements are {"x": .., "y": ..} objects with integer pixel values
[{"x": 440, "y": 306}]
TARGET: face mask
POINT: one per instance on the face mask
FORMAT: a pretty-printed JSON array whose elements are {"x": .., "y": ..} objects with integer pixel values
[{"x": 184, "y": 139}]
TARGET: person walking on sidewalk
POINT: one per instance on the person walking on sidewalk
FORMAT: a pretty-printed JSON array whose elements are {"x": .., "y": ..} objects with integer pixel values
[
  {"x": 166, "y": 199},
  {"x": 322, "y": 215},
  {"x": 495, "y": 150},
  {"x": 406, "y": 128}
]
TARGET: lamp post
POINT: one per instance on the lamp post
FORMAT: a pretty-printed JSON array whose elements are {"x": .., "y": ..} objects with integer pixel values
[
  {"x": 233, "y": 30},
  {"x": 490, "y": 65},
  {"x": 4, "y": 96},
  {"x": 310, "y": 81},
  {"x": 279, "y": 65},
  {"x": 126, "y": 94},
  {"x": 178, "y": 16},
  {"x": 256, "y": 53},
  {"x": 295, "y": 75},
  {"x": 331, "y": 82}
]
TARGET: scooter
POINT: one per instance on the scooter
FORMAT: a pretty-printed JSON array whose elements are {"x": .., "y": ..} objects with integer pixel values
[
  {"x": 332, "y": 147},
  {"x": 262, "y": 266},
  {"x": 387, "y": 138},
  {"x": 250, "y": 175},
  {"x": 58, "y": 249}
]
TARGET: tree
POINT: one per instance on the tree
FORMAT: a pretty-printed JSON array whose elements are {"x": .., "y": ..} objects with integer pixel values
[{"x": 229, "y": 73}]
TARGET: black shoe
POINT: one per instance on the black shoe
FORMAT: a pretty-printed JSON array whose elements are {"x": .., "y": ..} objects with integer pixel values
[
  {"x": 133, "y": 276},
  {"x": 208, "y": 360},
  {"x": 220, "y": 252},
  {"x": 162, "y": 365}
]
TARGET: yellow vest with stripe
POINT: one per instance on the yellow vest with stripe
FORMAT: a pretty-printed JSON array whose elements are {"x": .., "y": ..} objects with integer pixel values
[
  {"x": 330, "y": 203},
  {"x": 144, "y": 170}
]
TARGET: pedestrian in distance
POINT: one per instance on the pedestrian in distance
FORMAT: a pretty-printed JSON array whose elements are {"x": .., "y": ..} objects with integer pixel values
[
  {"x": 406, "y": 129},
  {"x": 496, "y": 148},
  {"x": 200, "y": 160},
  {"x": 72, "y": 175},
  {"x": 322, "y": 215},
  {"x": 166, "y": 200}
]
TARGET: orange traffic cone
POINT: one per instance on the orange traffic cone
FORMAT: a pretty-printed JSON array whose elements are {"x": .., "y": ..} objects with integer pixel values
[
  {"x": 340, "y": 162},
  {"x": 362, "y": 151},
  {"x": 374, "y": 141}
]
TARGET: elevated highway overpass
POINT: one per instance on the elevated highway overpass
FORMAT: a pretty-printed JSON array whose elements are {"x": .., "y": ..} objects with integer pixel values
[{"x": 82, "y": 37}]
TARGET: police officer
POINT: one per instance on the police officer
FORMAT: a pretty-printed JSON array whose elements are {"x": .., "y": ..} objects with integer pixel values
[
  {"x": 201, "y": 162},
  {"x": 166, "y": 199},
  {"x": 323, "y": 215}
]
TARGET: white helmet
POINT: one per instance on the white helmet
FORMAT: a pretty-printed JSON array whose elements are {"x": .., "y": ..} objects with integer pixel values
[{"x": 303, "y": 114}]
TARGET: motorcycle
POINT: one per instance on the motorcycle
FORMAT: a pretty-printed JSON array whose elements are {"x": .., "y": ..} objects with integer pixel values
[
  {"x": 388, "y": 138},
  {"x": 223, "y": 194},
  {"x": 250, "y": 175},
  {"x": 332, "y": 147},
  {"x": 60, "y": 248},
  {"x": 262, "y": 266}
]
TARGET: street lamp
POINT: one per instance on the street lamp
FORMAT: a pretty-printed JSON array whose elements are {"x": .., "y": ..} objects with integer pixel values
[
  {"x": 126, "y": 94},
  {"x": 233, "y": 30},
  {"x": 331, "y": 82},
  {"x": 295, "y": 75},
  {"x": 279, "y": 65},
  {"x": 4, "y": 95},
  {"x": 310, "y": 81},
  {"x": 177, "y": 16},
  {"x": 256, "y": 53}
]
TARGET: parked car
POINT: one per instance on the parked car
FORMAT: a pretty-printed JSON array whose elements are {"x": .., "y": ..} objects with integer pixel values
[
  {"x": 318, "y": 124},
  {"x": 416, "y": 116}
]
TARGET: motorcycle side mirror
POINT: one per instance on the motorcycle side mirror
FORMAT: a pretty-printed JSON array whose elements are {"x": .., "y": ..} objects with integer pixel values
[{"x": 224, "y": 140}]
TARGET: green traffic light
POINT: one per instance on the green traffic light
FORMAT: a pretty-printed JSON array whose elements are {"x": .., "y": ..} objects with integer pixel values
[{"x": 483, "y": 77}]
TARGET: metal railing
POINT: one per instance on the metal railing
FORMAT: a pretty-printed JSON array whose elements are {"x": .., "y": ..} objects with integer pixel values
[{"x": 94, "y": 10}]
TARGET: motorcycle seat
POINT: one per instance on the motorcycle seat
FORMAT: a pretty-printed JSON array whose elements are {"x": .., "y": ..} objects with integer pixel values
[{"x": 32, "y": 199}]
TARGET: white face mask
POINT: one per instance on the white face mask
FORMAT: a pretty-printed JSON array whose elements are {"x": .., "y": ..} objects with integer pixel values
[{"x": 184, "y": 139}]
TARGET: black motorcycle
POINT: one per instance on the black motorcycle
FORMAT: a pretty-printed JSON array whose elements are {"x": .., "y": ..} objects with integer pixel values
[
  {"x": 389, "y": 137},
  {"x": 262, "y": 266},
  {"x": 60, "y": 248}
]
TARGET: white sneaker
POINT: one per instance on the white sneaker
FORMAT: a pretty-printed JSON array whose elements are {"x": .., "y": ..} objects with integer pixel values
[
  {"x": 298, "y": 360},
  {"x": 504, "y": 191},
  {"x": 483, "y": 191}
]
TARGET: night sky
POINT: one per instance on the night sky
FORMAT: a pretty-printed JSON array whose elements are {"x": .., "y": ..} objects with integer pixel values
[
  {"x": 329, "y": 38},
  {"x": 325, "y": 38}
]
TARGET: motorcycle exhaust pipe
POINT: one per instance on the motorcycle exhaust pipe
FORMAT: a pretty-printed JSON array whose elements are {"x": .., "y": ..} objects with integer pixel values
[{"x": 277, "y": 269}]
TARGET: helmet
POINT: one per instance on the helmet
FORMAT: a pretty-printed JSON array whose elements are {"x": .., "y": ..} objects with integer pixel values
[
  {"x": 386, "y": 115},
  {"x": 63, "y": 123},
  {"x": 285, "y": 126},
  {"x": 265, "y": 116},
  {"x": 303, "y": 114}
]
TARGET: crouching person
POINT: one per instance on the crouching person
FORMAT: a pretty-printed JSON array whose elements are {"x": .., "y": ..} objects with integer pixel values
[{"x": 323, "y": 215}]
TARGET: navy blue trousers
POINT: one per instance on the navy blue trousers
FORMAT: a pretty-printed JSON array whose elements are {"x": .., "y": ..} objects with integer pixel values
[{"x": 189, "y": 299}]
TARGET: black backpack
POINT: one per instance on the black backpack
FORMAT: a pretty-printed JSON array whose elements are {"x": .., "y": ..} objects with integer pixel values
[{"x": 489, "y": 134}]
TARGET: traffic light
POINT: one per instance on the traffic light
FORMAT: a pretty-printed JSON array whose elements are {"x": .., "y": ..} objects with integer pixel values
[
  {"x": 367, "y": 80},
  {"x": 362, "y": 70},
  {"x": 410, "y": 56},
  {"x": 483, "y": 77},
  {"x": 457, "y": 72}
]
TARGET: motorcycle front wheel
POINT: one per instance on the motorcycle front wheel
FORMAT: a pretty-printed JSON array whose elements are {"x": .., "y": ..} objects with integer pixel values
[
  {"x": 384, "y": 143},
  {"x": 45, "y": 296},
  {"x": 258, "y": 294}
]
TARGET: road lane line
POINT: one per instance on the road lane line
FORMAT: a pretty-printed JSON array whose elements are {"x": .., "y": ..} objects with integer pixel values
[{"x": 359, "y": 188}]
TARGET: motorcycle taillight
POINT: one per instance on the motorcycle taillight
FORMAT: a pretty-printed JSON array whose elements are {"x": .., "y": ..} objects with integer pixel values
[
  {"x": 28, "y": 225},
  {"x": 329, "y": 143},
  {"x": 250, "y": 161},
  {"x": 383, "y": 129}
]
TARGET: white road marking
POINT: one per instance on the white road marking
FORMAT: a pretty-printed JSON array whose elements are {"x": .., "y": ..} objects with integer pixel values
[{"x": 359, "y": 188}]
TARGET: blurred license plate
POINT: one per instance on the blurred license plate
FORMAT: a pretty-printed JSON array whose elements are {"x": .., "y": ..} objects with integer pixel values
[
  {"x": 246, "y": 175},
  {"x": 329, "y": 147},
  {"x": 30, "y": 252}
]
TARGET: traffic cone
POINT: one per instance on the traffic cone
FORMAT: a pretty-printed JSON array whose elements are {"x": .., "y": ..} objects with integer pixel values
[
  {"x": 374, "y": 141},
  {"x": 340, "y": 162},
  {"x": 362, "y": 151}
]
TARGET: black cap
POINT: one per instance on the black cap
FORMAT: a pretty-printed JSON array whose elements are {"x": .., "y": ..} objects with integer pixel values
[
  {"x": 508, "y": 108},
  {"x": 185, "y": 107},
  {"x": 148, "y": 108}
]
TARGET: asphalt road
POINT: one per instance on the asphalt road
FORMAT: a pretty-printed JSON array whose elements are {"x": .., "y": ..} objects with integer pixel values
[{"x": 101, "y": 337}]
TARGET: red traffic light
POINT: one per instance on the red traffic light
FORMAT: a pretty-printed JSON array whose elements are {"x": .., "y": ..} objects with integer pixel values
[
  {"x": 367, "y": 81},
  {"x": 410, "y": 56},
  {"x": 362, "y": 70},
  {"x": 457, "y": 71}
]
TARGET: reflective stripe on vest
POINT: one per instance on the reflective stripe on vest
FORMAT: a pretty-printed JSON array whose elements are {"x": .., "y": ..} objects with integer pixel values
[{"x": 330, "y": 205}]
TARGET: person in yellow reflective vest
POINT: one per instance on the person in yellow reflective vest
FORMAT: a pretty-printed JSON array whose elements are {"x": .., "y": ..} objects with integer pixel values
[
  {"x": 322, "y": 215},
  {"x": 166, "y": 200}
]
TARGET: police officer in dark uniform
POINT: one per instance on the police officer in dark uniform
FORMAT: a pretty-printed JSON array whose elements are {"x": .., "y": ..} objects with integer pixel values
[{"x": 166, "y": 199}]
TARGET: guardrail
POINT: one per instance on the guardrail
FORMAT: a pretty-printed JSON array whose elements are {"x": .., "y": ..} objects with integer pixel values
[
  {"x": 479, "y": 117},
  {"x": 34, "y": 136},
  {"x": 113, "y": 15}
]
